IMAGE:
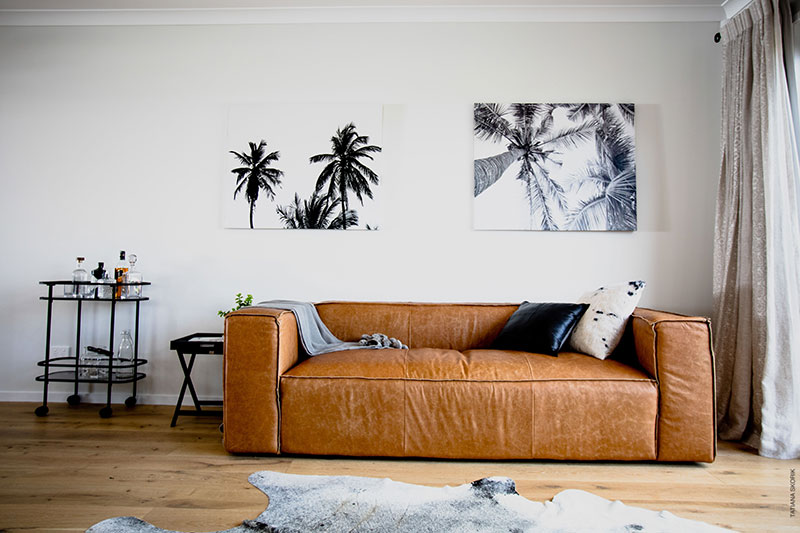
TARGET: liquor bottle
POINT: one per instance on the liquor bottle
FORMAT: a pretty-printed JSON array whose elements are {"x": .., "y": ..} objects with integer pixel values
[
  {"x": 98, "y": 274},
  {"x": 106, "y": 287},
  {"x": 79, "y": 274},
  {"x": 119, "y": 274},
  {"x": 133, "y": 276}
]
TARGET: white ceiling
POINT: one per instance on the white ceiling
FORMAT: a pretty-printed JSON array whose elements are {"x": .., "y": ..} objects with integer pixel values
[
  {"x": 177, "y": 12},
  {"x": 229, "y": 4}
]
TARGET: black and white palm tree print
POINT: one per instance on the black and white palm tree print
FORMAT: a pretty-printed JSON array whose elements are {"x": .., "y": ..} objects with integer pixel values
[
  {"x": 328, "y": 173},
  {"x": 255, "y": 175},
  {"x": 318, "y": 212},
  {"x": 574, "y": 166},
  {"x": 345, "y": 170}
]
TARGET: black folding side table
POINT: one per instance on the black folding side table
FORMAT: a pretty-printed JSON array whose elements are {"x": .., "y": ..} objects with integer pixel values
[{"x": 194, "y": 345}]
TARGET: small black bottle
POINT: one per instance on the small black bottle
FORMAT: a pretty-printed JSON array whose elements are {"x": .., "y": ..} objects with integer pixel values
[{"x": 99, "y": 274}]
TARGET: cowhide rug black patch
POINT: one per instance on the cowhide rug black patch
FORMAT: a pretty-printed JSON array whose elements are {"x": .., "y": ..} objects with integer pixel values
[{"x": 303, "y": 504}]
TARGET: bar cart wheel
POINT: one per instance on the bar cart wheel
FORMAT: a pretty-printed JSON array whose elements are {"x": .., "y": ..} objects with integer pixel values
[
  {"x": 105, "y": 412},
  {"x": 130, "y": 401},
  {"x": 42, "y": 410},
  {"x": 73, "y": 399}
]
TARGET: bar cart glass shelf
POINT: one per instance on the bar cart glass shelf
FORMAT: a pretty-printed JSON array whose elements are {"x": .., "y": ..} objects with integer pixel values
[{"x": 70, "y": 369}]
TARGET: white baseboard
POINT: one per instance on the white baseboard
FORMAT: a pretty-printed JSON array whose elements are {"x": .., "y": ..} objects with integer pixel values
[{"x": 98, "y": 397}]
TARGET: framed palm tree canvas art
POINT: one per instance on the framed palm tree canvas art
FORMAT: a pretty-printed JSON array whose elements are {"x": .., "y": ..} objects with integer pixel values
[
  {"x": 303, "y": 166},
  {"x": 554, "y": 167}
]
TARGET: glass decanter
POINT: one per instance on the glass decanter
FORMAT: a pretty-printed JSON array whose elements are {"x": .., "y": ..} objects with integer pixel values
[
  {"x": 133, "y": 276},
  {"x": 79, "y": 274},
  {"x": 125, "y": 355}
]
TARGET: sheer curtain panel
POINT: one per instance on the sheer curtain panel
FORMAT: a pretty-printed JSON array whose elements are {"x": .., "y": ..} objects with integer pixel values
[{"x": 757, "y": 244}]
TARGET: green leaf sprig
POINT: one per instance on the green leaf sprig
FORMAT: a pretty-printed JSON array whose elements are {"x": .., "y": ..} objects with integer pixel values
[{"x": 241, "y": 301}]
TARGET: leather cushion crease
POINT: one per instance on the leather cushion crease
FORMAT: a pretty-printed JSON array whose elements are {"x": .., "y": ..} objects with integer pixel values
[{"x": 450, "y": 396}]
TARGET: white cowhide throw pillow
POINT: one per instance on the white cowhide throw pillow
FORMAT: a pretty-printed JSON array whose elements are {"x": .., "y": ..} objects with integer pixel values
[{"x": 601, "y": 327}]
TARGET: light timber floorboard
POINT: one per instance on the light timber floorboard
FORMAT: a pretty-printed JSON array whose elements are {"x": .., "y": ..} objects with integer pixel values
[{"x": 71, "y": 469}]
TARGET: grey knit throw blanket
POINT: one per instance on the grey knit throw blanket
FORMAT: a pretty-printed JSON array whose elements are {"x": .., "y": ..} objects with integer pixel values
[{"x": 315, "y": 336}]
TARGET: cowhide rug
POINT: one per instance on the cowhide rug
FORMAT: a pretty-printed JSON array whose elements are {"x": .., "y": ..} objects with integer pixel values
[{"x": 303, "y": 504}]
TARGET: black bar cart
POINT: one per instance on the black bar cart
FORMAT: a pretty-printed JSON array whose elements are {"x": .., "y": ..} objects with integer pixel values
[{"x": 71, "y": 369}]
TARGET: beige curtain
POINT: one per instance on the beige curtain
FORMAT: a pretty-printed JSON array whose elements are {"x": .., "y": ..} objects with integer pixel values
[{"x": 757, "y": 245}]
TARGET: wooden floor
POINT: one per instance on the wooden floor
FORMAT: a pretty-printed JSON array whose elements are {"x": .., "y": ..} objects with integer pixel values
[{"x": 71, "y": 469}]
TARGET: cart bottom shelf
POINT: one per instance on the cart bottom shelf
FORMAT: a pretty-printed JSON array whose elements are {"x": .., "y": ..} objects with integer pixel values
[{"x": 69, "y": 376}]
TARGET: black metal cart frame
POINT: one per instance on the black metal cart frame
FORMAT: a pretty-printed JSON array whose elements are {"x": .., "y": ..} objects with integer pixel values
[{"x": 74, "y": 364}]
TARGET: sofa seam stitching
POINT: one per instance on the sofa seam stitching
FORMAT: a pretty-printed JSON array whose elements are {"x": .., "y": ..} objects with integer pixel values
[
  {"x": 533, "y": 407},
  {"x": 278, "y": 383},
  {"x": 658, "y": 383},
  {"x": 533, "y": 380},
  {"x": 681, "y": 318},
  {"x": 267, "y": 315},
  {"x": 419, "y": 304},
  {"x": 713, "y": 388},
  {"x": 405, "y": 405},
  {"x": 408, "y": 336}
]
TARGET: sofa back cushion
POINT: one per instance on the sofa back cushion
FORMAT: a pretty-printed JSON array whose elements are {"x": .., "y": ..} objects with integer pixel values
[{"x": 447, "y": 326}]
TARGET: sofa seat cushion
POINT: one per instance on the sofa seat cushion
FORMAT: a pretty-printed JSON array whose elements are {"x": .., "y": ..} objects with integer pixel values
[
  {"x": 578, "y": 366},
  {"x": 482, "y": 404},
  {"x": 434, "y": 364},
  {"x": 376, "y": 364}
]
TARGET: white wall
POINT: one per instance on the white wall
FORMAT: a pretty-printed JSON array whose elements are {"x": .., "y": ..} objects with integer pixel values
[{"x": 113, "y": 138}]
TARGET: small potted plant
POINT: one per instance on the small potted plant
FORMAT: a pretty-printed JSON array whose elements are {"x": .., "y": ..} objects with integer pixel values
[{"x": 241, "y": 301}]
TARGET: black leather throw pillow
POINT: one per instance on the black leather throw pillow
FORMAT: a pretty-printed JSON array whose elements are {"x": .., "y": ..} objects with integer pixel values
[{"x": 539, "y": 327}]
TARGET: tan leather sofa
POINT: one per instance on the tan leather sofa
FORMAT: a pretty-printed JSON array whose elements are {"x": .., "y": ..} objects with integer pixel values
[{"x": 449, "y": 396}]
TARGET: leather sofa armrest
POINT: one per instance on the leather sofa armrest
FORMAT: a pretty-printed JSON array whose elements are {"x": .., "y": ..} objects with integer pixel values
[
  {"x": 260, "y": 345},
  {"x": 677, "y": 351}
]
